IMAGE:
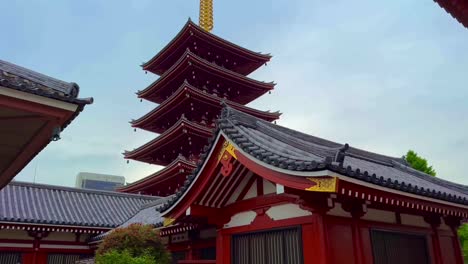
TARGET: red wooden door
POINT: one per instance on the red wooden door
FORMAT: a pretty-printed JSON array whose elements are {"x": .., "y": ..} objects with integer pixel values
[{"x": 34, "y": 258}]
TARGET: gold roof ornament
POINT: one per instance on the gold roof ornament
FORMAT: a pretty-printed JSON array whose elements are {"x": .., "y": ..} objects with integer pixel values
[{"x": 206, "y": 20}]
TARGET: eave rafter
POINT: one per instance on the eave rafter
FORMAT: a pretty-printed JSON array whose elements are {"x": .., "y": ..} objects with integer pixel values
[
  {"x": 159, "y": 89},
  {"x": 42, "y": 119},
  {"x": 53, "y": 228},
  {"x": 189, "y": 35},
  {"x": 183, "y": 95}
]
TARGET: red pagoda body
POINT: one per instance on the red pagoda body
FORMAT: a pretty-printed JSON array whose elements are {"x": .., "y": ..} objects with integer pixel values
[{"x": 199, "y": 72}]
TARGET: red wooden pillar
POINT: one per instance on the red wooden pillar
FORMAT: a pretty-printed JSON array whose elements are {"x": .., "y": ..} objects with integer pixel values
[
  {"x": 223, "y": 248},
  {"x": 190, "y": 252},
  {"x": 35, "y": 257},
  {"x": 314, "y": 241},
  {"x": 454, "y": 223},
  {"x": 435, "y": 222},
  {"x": 357, "y": 240},
  {"x": 357, "y": 209}
]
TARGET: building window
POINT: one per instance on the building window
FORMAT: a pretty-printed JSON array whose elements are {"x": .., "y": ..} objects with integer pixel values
[
  {"x": 10, "y": 258},
  {"x": 178, "y": 255},
  {"x": 208, "y": 253},
  {"x": 391, "y": 247},
  {"x": 65, "y": 258},
  {"x": 270, "y": 247}
]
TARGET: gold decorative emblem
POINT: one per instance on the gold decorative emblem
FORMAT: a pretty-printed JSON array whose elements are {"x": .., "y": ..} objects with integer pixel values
[
  {"x": 228, "y": 148},
  {"x": 225, "y": 156},
  {"x": 168, "y": 221},
  {"x": 324, "y": 184},
  {"x": 206, "y": 15}
]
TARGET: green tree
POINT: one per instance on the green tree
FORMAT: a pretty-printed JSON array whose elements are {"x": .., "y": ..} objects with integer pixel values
[
  {"x": 115, "y": 257},
  {"x": 419, "y": 163},
  {"x": 463, "y": 235},
  {"x": 142, "y": 243}
]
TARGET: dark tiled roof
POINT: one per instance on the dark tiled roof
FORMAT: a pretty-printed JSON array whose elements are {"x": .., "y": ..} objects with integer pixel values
[
  {"x": 292, "y": 150},
  {"x": 16, "y": 77},
  {"x": 22, "y": 202},
  {"x": 148, "y": 215}
]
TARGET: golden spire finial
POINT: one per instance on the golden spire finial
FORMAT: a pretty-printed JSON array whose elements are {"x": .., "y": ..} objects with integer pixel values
[{"x": 206, "y": 15}]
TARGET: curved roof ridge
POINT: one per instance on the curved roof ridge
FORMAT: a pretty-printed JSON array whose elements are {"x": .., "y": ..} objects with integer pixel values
[
  {"x": 187, "y": 87},
  {"x": 430, "y": 178},
  {"x": 79, "y": 190},
  {"x": 295, "y": 135},
  {"x": 233, "y": 126},
  {"x": 22, "y": 79},
  {"x": 189, "y": 55},
  {"x": 189, "y": 24},
  {"x": 279, "y": 149},
  {"x": 39, "y": 78}
]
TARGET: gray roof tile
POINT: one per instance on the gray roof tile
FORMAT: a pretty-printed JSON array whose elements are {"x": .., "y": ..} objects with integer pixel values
[
  {"x": 147, "y": 215},
  {"x": 292, "y": 150},
  {"x": 56, "y": 205},
  {"x": 19, "y": 78}
]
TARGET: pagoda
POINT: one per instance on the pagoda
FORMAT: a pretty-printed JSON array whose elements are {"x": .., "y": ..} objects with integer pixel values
[{"x": 199, "y": 73}]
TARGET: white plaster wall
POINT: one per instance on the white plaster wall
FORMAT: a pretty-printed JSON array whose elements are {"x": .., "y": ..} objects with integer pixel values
[
  {"x": 208, "y": 233},
  {"x": 413, "y": 220},
  {"x": 286, "y": 211},
  {"x": 252, "y": 191},
  {"x": 241, "y": 219},
  {"x": 338, "y": 211},
  {"x": 180, "y": 237},
  {"x": 380, "y": 216},
  {"x": 60, "y": 236},
  {"x": 14, "y": 234},
  {"x": 268, "y": 187},
  {"x": 17, "y": 245},
  {"x": 42, "y": 245},
  {"x": 84, "y": 237},
  {"x": 444, "y": 226},
  {"x": 238, "y": 190}
]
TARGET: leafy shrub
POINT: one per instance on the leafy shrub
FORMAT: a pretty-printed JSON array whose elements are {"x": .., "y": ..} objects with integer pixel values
[
  {"x": 136, "y": 241},
  {"x": 115, "y": 257}
]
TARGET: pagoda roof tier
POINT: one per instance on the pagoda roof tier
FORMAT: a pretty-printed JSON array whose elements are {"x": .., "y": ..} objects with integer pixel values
[
  {"x": 183, "y": 101},
  {"x": 457, "y": 9},
  {"x": 163, "y": 182},
  {"x": 234, "y": 86},
  {"x": 232, "y": 56},
  {"x": 184, "y": 137}
]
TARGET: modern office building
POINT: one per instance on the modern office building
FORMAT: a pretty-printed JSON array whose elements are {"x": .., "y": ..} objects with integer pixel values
[{"x": 97, "y": 181}]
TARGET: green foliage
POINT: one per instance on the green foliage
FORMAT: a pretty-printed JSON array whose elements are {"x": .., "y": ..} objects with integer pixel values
[
  {"x": 419, "y": 163},
  {"x": 115, "y": 257},
  {"x": 135, "y": 240},
  {"x": 463, "y": 235}
]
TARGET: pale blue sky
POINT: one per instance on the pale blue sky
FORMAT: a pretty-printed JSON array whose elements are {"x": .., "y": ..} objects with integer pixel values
[{"x": 380, "y": 75}]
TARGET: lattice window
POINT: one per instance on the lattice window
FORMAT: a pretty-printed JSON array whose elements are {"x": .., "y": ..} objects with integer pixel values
[
  {"x": 10, "y": 258},
  {"x": 391, "y": 247},
  {"x": 270, "y": 247}
]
